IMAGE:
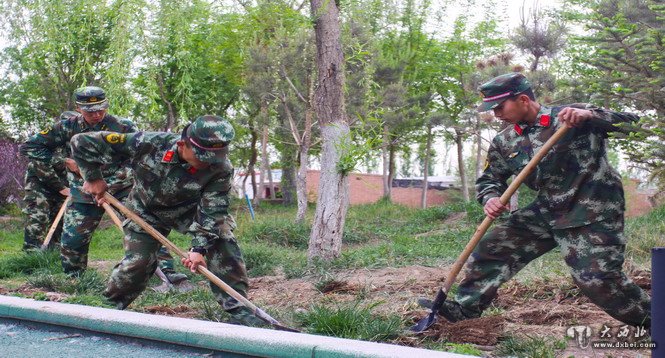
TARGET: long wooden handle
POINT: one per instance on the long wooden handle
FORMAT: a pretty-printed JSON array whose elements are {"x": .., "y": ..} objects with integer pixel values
[
  {"x": 487, "y": 222},
  {"x": 114, "y": 217},
  {"x": 56, "y": 221},
  {"x": 202, "y": 270}
]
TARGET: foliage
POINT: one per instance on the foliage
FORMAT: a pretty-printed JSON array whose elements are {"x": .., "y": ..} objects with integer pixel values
[
  {"x": 13, "y": 169},
  {"x": 619, "y": 63}
]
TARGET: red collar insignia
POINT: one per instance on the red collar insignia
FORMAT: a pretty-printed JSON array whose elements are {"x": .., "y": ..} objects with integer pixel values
[
  {"x": 518, "y": 129},
  {"x": 191, "y": 170},
  {"x": 545, "y": 120},
  {"x": 168, "y": 156}
]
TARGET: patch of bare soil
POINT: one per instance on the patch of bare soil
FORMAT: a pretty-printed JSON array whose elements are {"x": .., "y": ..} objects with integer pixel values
[
  {"x": 177, "y": 311},
  {"x": 545, "y": 308}
]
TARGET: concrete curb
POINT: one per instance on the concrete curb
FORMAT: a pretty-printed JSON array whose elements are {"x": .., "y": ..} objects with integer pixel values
[{"x": 202, "y": 334}]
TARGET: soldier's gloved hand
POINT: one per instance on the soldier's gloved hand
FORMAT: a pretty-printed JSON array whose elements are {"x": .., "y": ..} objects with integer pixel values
[
  {"x": 96, "y": 188},
  {"x": 493, "y": 208},
  {"x": 65, "y": 192},
  {"x": 574, "y": 117},
  {"x": 194, "y": 260},
  {"x": 72, "y": 166}
]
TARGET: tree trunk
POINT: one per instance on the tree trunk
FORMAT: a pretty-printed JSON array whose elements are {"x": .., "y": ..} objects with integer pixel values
[
  {"x": 391, "y": 169},
  {"x": 333, "y": 198},
  {"x": 428, "y": 145},
  {"x": 386, "y": 165},
  {"x": 479, "y": 149},
  {"x": 460, "y": 163},
  {"x": 264, "y": 153},
  {"x": 253, "y": 157},
  {"x": 265, "y": 161},
  {"x": 303, "y": 156}
]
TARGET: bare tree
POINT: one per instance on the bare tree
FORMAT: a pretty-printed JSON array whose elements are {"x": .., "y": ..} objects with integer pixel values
[{"x": 333, "y": 198}]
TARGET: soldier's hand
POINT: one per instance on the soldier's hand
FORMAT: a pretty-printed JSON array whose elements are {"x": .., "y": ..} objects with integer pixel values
[
  {"x": 575, "y": 117},
  {"x": 72, "y": 166},
  {"x": 96, "y": 188},
  {"x": 65, "y": 192},
  {"x": 194, "y": 261},
  {"x": 493, "y": 208}
]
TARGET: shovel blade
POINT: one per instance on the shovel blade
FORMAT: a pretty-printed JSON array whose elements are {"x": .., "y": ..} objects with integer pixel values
[{"x": 424, "y": 324}]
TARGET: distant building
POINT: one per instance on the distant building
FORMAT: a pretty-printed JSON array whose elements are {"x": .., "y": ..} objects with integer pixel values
[{"x": 366, "y": 188}]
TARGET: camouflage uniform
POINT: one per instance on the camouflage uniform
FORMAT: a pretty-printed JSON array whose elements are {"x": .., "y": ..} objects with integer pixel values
[
  {"x": 579, "y": 208},
  {"x": 83, "y": 215},
  {"x": 170, "y": 194},
  {"x": 43, "y": 183}
]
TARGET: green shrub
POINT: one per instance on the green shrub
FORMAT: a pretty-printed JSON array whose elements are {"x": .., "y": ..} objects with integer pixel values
[
  {"x": 351, "y": 321},
  {"x": 528, "y": 346},
  {"x": 26, "y": 263}
]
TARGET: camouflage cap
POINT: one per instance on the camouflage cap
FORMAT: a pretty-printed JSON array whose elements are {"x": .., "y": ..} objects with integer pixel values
[
  {"x": 210, "y": 137},
  {"x": 91, "y": 99},
  {"x": 67, "y": 115},
  {"x": 500, "y": 88}
]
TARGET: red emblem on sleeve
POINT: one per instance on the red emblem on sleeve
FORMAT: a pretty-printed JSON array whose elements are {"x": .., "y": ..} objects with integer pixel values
[
  {"x": 518, "y": 129},
  {"x": 168, "y": 156},
  {"x": 191, "y": 170},
  {"x": 545, "y": 120}
]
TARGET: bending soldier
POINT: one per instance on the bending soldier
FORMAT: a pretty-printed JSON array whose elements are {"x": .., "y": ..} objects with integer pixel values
[
  {"x": 82, "y": 215},
  {"x": 182, "y": 182}
]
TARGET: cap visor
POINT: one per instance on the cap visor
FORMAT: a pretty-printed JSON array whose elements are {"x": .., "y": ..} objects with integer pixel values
[
  {"x": 486, "y": 106},
  {"x": 95, "y": 107},
  {"x": 209, "y": 156}
]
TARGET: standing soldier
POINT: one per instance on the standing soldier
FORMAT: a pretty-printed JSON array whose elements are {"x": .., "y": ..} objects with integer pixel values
[
  {"x": 579, "y": 206},
  {"x": 182, "y": 183},
  {"x": 83, "y": 215},
  {"x": 45, "y": 191}
]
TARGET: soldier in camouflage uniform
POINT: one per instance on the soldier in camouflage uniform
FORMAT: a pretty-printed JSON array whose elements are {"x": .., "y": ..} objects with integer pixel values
[
  {"x": 182, "y": 182},
  {"x": 579, "y": 206},
  {"x": 82, "y": 215},
  {"x": 45, "y": 192}
]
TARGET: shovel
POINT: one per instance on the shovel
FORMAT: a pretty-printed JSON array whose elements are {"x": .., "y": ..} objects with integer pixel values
[
  {"x": 56, "y": 221},
  {"x": 202, "y": 270},
  {"x": 428, "y": 321},
  {"x": 167, "y": 285}
]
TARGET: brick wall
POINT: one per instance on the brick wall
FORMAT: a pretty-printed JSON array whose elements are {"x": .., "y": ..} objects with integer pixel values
[{"x": 368, "y": 188}]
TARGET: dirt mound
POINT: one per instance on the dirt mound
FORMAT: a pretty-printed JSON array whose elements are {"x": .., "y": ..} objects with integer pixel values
[
  {"x": 178, "y": 311},
  {"x": 484, "y": 331}
]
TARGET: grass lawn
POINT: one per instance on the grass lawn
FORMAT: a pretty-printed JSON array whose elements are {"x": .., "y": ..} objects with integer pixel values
[{"x": 380, "y": 237}]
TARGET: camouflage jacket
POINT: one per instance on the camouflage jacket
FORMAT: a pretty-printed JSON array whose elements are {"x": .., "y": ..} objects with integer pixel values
[
  {"x": 52, "y": 175},
  {"x": 576, "y": 185},
  {"x": 167, "y": 189},
  {"x": 44, "y": 144}
]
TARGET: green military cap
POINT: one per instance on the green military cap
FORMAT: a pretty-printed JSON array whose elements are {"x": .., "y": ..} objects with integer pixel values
[
  {"x": 500, "y": 88},
  {"x": 210, "y": 137},
  {"x": 67, "y": 115},
  {"x": 91, "y": 99}
]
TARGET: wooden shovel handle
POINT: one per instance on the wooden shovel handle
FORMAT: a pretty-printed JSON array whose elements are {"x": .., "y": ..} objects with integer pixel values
[
  {"x": 487, "y": 222},
  {"x": 204, "y": 271},
  {"x": 56, "y": 221},
  {"x": 114, "y": 217}
]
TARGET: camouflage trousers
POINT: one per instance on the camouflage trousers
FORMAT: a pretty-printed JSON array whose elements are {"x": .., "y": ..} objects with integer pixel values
[
  {"x": 41, "y": 206},
  {"x": 594, "y": 253},
  {"x": 130, "y": 277},
  {"x": 80, "y": 221}
]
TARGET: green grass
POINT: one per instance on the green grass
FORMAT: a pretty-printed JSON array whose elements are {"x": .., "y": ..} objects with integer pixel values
[
  {"x": 527, "y": 347},
  {"x": 22, "y": 263},
  {"x": 351, "y": 321}
]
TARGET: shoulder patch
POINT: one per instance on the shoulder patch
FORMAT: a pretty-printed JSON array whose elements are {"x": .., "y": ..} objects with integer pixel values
[
  {"x": 115, "y": 138},
  {"x": 168, "y": 156}
]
